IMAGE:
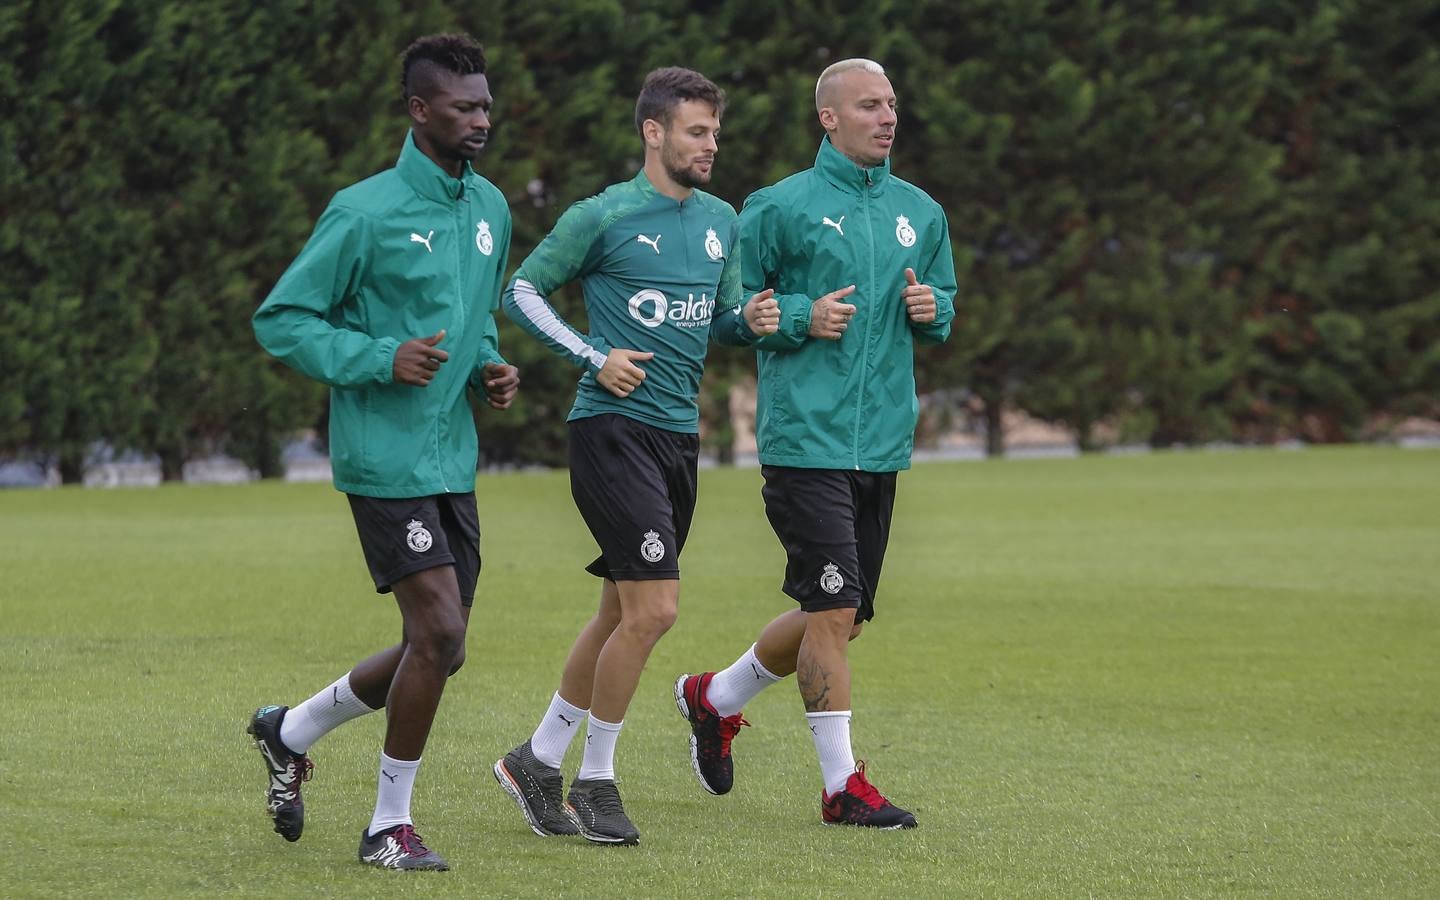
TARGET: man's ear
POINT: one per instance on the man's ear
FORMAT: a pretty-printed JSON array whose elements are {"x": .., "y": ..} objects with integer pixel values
[
  {"x": 654, "y": 133},
  {"x": 828, "y": 120},
  {"x": 418, "y": 109}
]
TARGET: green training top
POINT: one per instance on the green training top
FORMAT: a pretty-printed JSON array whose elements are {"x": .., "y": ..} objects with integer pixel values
[
  {"x": 654, "y": 271},
  {"x": 851, "y": 403},
  {"x": 400, "y": 255}
]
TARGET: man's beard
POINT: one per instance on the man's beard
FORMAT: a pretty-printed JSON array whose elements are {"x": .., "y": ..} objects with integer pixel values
[{"x": 683, "y": 175}]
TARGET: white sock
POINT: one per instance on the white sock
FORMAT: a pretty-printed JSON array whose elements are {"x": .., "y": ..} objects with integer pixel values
[
  {"x": 307, "y": 723},
  {"x": 392, "y": 800},
  {"x": 831, "y": 732},
  {"x": 599, "y": 761},
  {"x": 558, "y": 727},
  {"x": 734, "y": 687}
]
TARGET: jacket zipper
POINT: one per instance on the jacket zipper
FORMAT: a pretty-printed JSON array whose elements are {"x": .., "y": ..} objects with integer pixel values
[
  {"x": 459, "y": 307},
  {"x": 869, "y": 319}
]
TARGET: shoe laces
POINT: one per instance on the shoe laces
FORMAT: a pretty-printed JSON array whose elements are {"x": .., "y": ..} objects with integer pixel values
[
  {"x": 410, "y": 841},
  {"x": 304, "y": 768},
  {"x": 860, "y": 787},
  {"x": 729, "y": 727},
  {"x": 606, "y": 799}
]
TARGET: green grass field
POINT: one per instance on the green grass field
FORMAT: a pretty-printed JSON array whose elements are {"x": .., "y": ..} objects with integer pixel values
[{"x": 1161, "y": 676}]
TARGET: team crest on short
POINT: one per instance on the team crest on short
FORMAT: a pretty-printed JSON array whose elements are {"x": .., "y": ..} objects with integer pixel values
[
  {"x": 831, "y": 581},
  {"x": 903, "y": 232},
  {"x": 712, "y": 244},
  {"x": 483, "y": 240},
  {"x": 418, "y": 536},
  {"x": 652, "y": 549}
]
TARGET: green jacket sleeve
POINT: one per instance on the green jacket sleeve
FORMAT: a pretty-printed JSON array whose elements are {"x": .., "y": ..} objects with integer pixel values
[
  {"x": 761, "y": 234},
  {"x": 296, "y": 323},
  {"x": 729, "y": 326},
  {"x": 490, "y": 335},
  {"x": 939, "y": 273},
  {"x": 567, "y": 252}
]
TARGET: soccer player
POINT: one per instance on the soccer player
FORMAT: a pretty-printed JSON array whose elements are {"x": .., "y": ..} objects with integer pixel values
[
  {"x": 657, "y": 260},
  {"x": 841, "y": 244},
  {"x": 391, "y": 303}
]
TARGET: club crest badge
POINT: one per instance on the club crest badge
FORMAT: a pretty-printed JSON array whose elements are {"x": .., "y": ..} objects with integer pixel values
[
  {"x": 652, "y": 549},
  {"x": 712, "y": 244},
  {"x": 418, "y": 536},
  {"x": 903, "y": 232},
  {"x": 831, "y": 581},
  {"x": 483, "y": 240}
]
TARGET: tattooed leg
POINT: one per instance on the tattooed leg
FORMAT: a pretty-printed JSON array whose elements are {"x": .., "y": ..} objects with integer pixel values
[{"x": 822, "y": 670}]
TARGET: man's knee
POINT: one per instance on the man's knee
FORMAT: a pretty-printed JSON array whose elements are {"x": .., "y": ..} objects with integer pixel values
[
  {"x": 444, "y": 643},
  {"x": 833, "y": 623},
  {"x": 434, "y": 627},
  {"x": 459, "y": 660},
  {"x": 653, "y": 621}
]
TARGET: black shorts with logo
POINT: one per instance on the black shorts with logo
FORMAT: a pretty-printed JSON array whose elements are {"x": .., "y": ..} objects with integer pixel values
[
  {"x": 634, "y": 485},
  {"x": 403, "y": 536},
  {"x": 834, "y": 525}
]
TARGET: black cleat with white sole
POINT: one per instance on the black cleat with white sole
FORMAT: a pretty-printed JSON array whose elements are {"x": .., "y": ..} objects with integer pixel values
[
  {"x": 287, "y": 772},
  {"x": 399, "y": 847}
]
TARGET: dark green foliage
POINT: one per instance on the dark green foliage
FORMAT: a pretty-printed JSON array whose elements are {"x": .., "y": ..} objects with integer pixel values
[{"x": 1172, "y": 222}]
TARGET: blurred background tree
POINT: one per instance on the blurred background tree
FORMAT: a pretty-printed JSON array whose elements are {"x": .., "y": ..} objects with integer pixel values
[{"x": 1173, "y": 223}]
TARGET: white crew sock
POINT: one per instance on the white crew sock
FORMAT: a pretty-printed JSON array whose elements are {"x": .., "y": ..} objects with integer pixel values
[
  {"x": 392, "y": 800},
  {"x": 307, "y": 723},
  {"x": 831, "y": 733},
  {"x": 556, "y": 729},
  {"x": 599, "y": 761},
  {"x": 732, "y": 688}
]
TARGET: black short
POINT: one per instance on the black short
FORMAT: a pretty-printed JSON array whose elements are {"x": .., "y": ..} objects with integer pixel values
[
  {"x": 634, "y": 485},
  {"x": 834, "y": 525},
  {"x": 403, "y": 536}
]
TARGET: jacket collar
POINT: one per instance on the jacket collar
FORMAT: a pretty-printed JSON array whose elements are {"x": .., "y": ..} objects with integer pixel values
[
  {"x": 429, "y": 180},
  {"x": 648, "y": 190},
  {"x": 837, "y": 169}
]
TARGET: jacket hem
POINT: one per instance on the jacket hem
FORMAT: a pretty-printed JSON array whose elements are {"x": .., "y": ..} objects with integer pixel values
[
  {"x": 401, "y": 491},
  {"x": 806, "y": 461}
]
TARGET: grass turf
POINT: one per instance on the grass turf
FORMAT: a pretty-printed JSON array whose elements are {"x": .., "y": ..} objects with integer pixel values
[{"x": 1170, "y": 675}]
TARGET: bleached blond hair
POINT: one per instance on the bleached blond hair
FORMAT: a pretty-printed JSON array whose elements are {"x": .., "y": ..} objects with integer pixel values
[{"x": 841, "y": 67}]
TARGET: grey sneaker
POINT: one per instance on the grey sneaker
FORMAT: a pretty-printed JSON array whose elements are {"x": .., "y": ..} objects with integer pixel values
[
  {"x": 535, "y": 788},
  {"x": 596, "y": 806},
  {"x": 399, "y": 848}
]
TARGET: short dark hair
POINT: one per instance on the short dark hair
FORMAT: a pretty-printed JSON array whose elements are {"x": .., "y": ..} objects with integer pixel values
[
  {"x": 664, "y": 89},
  {"x": 427, "y": 57}
]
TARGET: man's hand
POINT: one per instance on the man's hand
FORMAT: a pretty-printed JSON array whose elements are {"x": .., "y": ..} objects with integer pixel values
[
  {"x": 762, "y": 313},
  {"x": 919, "y": 299},
  {"x": 501, "y": 383},
  {"x": 418, "y": 359},
  {"x": 829, "y": 317},
  {"x": 620, "y": 376}
]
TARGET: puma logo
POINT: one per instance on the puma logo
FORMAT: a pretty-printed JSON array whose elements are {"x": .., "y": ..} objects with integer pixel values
[
  {"x": 417, "y": 239},
  {"x": 336, "y": 694},
  {"x": 835, "y": 225},
  {"x": 388, "y": 775},
  {"x": 562, "y": 718},
  {"x": 756, "y": 669},
  {"x": 654, "y": 244}
]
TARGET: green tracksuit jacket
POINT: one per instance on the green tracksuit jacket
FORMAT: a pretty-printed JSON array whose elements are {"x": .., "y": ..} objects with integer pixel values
[
  {"x": 847, "y": 404},
  {"x": 400, "y": 255},
  {"x": 655, "y": 272}
]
